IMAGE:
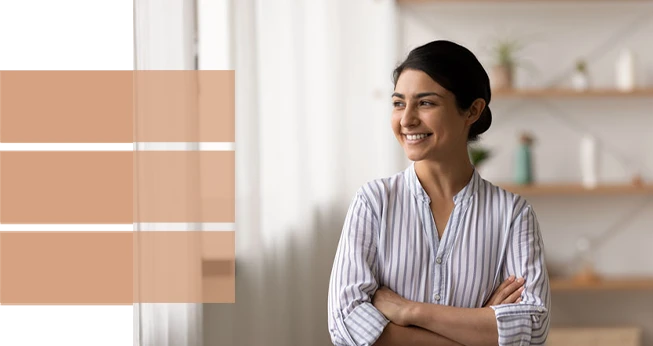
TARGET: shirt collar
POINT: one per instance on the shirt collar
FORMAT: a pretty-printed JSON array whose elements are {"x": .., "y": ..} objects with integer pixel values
[{"x": 418, "y": 191}]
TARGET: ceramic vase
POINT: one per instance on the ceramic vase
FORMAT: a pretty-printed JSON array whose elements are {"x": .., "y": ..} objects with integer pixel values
[
  {"x": 524, "y": 161},
  {"x": 580, "y": 81},
  {"x": 501, "y": 77},
  {"x": 589, "y": 162},
  {"x": 625, "y": 71}
]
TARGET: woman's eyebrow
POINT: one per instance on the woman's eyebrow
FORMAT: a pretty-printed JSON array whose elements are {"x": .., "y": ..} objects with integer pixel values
[{"x": 420, "y": 95}]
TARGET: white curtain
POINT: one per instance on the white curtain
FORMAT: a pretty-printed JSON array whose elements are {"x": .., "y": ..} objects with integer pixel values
[
  {"x": 164, "y": 39},
  {"x": 313, "y": 85},
  {"x": 312, "y": 125}
]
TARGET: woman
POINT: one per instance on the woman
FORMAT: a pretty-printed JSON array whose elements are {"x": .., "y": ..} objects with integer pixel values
[{"x": 436, "y": 255}]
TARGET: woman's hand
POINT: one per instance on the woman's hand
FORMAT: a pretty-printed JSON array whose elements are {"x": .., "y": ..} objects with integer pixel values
[
  {"x": 392, "y": 306},
  {"x": 507, "y": 293}
]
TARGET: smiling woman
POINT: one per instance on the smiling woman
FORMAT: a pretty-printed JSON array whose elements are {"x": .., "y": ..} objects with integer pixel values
[{"x": 437, "y": 255}]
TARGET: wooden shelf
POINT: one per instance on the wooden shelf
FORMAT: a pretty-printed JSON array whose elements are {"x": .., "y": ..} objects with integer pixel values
[
  {"x": 569, "y": 93},
  {"x": 608, "y": 284},
  {"x": 521, "y": 1},
  {"x": 576, "y": 189}
]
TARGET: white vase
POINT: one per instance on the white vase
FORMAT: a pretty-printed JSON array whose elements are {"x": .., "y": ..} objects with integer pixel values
[
  {"x": 625, "y": 71},
  {"x": 580, "y": 81},
  {"x": 589, "y": 161}
]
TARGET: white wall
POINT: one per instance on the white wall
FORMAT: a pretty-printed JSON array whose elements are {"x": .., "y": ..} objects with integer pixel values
[{"x": 558, "y": 33}]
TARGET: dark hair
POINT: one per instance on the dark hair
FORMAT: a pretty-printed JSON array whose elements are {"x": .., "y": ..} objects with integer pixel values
[{"x": 456, "y": 69}]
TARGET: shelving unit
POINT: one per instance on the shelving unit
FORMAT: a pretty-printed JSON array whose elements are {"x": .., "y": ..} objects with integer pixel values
[
  {"x": 577, "y": 189},
  {"x": 569, "y": 93},
  {"x": 493, "y": 1},
  {"x": 608, "y": 284}
]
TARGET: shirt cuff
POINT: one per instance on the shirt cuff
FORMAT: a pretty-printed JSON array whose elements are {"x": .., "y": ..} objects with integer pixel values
[
  {"x": 365, "y": 324},
  {"x": 515, "y": 322}
]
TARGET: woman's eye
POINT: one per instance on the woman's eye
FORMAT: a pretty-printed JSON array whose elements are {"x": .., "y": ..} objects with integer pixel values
[
  {"x": 426, "y": 103},
  {"x": 398, "y": 104}
]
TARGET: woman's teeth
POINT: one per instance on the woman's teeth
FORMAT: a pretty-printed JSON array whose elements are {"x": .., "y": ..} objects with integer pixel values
[{"x": 416, "y": 137}]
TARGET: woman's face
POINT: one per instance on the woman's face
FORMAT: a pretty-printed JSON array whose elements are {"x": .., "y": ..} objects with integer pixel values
[{"x": 426, "y": 119}]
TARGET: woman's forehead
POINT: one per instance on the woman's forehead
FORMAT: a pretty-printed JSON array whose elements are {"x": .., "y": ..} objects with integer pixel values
[{"x": 414, "y": 82}]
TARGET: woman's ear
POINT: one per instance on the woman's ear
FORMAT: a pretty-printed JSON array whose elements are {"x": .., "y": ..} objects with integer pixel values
[{"x": 475, "y": 110}]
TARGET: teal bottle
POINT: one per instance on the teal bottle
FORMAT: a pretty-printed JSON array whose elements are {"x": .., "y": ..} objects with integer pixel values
[{"x": 524, "y": 161}]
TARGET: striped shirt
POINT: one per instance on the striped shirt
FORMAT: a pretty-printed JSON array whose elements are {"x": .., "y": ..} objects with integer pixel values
[{"x": 389, "y": 239}]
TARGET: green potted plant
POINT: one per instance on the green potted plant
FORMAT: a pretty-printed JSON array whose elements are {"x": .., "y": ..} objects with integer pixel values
[
  {"x": 505, "y": 61},
  {"x": 478, "y": 155},
  {"x": 580, "y": 78}
]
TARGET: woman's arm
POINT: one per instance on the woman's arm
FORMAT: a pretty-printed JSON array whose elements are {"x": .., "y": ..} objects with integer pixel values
[
  {"x": 469, "y": 326},
  {"x": 526, "y": 323},
  {"x": 465, "y": 326},
  {"x": 396, "y": 335},
  {"x": 352, "y": 319}
]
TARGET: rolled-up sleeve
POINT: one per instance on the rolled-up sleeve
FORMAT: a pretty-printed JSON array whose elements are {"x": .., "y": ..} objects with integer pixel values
[
  {"x": 525, "y": 323},
  {"x": 353, "y": 320}
]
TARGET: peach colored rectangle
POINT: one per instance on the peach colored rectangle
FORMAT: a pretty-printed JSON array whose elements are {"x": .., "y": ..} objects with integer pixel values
[
  {"x": 171, "y": 186},
  {"x": 1, "y": 243},
  {"x": 184, "y": 106},
  {"x": 184, "y": 267},
  {"x": 67, "y": 268},
  {"x": 66, "y": 187},
  {"x": 66, "y": 106},
  {"x": 0, "y": 268}
]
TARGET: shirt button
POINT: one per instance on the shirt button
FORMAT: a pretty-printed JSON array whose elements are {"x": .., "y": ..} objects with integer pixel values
[
  {"x": 436, "y": 297},
  {"x": 438, "y": 260}
]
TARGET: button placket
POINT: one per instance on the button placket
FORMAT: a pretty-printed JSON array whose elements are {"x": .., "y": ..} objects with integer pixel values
[{"x": 451, "y": 233}]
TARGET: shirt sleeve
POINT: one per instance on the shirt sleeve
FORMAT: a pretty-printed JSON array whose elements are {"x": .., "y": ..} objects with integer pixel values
[
  {"x": 525, "y": 323},
  {"x": 353, "y": 320}
]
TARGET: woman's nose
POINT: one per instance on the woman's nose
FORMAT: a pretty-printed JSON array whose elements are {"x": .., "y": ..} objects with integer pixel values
[{"x": 409, "y": 118}]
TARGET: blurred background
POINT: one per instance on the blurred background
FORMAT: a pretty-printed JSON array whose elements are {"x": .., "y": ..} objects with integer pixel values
[{"x": 572, "y": 132}]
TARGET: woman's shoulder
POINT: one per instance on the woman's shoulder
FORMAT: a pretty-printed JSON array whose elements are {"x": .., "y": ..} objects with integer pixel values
[
  {"x": 508, "y": 201},
  {"x": 378, "y": 191}
]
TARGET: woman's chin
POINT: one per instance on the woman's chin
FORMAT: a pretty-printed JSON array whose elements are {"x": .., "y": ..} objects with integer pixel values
[{"x": 414, "y": 155}]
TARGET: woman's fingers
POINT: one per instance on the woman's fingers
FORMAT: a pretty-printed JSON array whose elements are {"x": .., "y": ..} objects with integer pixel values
[
  {"x": 513, "y": 288},
  {"x": 497, "y": 295},
  {"x": 514, "y": 296},
  {"x": 507, "y": 291},
  {"x": 505, "y": 283},
  {"x": 500, "y": 292}
]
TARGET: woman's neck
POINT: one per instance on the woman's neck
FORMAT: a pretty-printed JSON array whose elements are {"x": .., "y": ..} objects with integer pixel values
[{"x": 444, "y": 179}]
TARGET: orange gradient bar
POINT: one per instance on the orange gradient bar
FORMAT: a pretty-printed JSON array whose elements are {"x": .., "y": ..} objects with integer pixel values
[
  {"x": 184, "y": 267},
  {"x": 0, "y": 268},
  {"x": 184, "y": 106},
  {"x": 117, "y": 268},
  {"x": 66, "y": 268},
  {"x": 66, "y": 187},
  {"x": 185, "y": 186},
  {"x": 66, "y": 106}
]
